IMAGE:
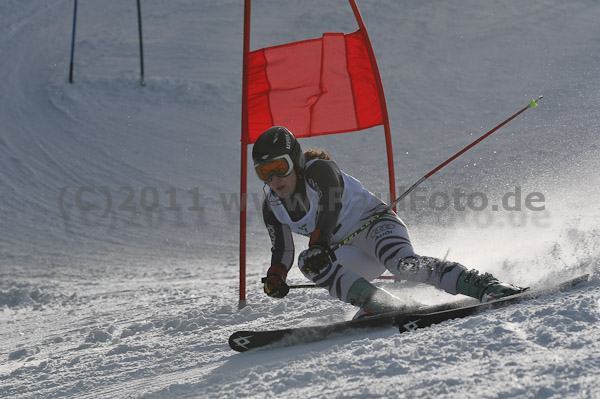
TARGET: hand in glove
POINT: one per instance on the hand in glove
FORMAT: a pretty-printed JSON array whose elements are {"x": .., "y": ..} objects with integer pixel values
[
  {"x": 274, "y": 284},
  {"x": 318, "y": 256}
]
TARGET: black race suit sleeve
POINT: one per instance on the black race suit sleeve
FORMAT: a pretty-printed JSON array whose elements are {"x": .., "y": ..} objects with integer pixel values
[{"x": 282, "y": 243}]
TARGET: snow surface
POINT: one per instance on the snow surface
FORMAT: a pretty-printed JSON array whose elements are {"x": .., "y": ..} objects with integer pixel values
[{"x": 123, "y": 298}]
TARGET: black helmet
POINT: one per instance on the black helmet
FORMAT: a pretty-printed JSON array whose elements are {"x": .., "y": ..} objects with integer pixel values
[{"x": 275, "y": 142}]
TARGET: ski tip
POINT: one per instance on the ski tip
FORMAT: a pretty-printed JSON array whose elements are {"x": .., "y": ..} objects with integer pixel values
[{"x": 240, "y": 341}]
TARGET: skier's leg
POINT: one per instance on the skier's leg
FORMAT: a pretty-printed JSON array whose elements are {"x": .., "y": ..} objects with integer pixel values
[
  {"x": 454, "y": 278},
  {"x": 440, "y": 273},
  {"x": 342, "y": 281},
  {"x": 388, "y": 240},
  {"x": 334, "y": 277},
  {"x": 359, "y": 262}
]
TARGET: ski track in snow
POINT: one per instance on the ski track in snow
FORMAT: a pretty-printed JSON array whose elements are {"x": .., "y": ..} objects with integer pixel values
[{"x": 122, "y": 299}]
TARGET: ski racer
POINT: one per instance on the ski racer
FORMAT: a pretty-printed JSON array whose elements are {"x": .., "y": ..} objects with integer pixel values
[{"x": 308, "y": 194}]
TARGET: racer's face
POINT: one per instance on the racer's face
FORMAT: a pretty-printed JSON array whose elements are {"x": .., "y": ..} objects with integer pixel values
[{"x": 283, "y": 186}]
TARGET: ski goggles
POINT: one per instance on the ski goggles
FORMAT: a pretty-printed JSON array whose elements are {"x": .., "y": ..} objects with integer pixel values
[{"x": 281, "y": 166}]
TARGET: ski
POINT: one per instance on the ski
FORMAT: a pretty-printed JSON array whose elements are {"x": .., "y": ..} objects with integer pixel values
[
  {"x": 419, "y": 320},
  {"x": 405, "y": 320}
]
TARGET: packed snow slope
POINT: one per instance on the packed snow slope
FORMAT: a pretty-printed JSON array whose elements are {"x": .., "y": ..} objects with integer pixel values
[{"x": 119, "y": 234}]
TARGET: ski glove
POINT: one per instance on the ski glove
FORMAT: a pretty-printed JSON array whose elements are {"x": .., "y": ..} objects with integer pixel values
[
  {"x": 317, "y": 257},
  {"x": 274, "y": 284}
]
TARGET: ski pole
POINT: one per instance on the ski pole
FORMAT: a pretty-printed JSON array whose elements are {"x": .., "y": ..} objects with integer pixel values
[
  {"x": 531, "y": 104},
  {"x": 316, "y": 286},
  {"x": 264, "y": 280},
  {"x": 139, "y": 12},
  {"x": 303, "y": 286},
  {"x": 73, "y": 43}
]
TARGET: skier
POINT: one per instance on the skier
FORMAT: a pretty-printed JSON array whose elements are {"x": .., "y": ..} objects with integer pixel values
[{"x": 308, "y": 194}]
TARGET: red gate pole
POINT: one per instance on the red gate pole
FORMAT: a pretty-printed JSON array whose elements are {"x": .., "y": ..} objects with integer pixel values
[
  {"x": 384, "y": 112},
  {"x": 244, "y": 155}
]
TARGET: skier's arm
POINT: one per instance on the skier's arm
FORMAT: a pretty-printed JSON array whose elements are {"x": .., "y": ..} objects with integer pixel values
[
  {"x": 282, "y": 243},
  {"x": 326, "y": 178},
  {"x": 282, "y": 254}
]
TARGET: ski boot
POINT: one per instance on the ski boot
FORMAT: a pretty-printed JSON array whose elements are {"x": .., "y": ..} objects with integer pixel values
[
  {"x": 371, "y": 300},
  {"x": 484, "y": 287}
]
